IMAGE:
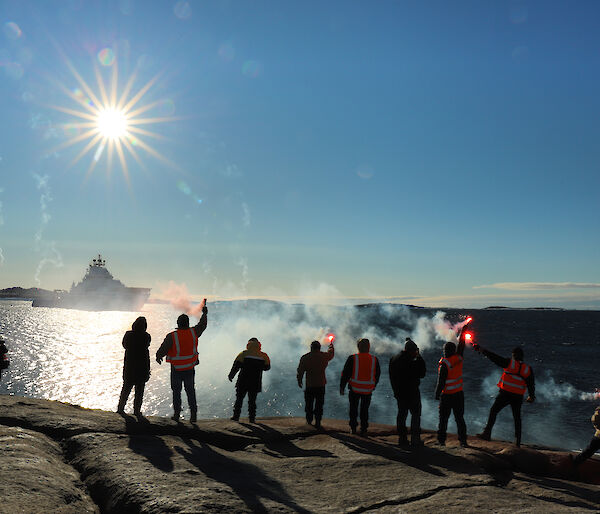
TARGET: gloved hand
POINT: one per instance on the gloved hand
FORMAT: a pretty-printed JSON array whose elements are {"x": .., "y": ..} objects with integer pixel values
[
  {"x": 530, "y": 399},
  {"x": 205, "y": 310},
  {"x": 230, "y": 378},
  {"x": 437, "y": 396},
  {"x": 300, "y": 384},
  {"x": 159, "y": 360},
  {"x": 476, "y": 347},
  {"x": 341, "y": 391}
]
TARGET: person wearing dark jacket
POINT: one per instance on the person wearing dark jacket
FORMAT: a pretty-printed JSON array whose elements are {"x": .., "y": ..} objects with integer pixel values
[
  {"x": 515, "y": 380},
  {"x": 361, "y": 372},
  {"x": 313, "y": 364},
  {"x": 4, "y": 362},
  {"x": 180, "y": 348},
  {"x": 407, "y": 368},
  {"x": 136, "y": 365},
  {"x": 449, "y": 391},
  {"x": 250, "y": 363}
]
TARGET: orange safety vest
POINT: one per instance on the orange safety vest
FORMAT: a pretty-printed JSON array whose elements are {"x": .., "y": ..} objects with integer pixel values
[
  {"x": 454, "y": 382},
  {"x": 513, "y": 378},
  {"x": 363, "y": 373},
  {"x": 183, "y": 353}
]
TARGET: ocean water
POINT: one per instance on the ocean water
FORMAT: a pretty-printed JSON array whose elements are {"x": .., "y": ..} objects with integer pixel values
[{"x": 77, "y": 357}]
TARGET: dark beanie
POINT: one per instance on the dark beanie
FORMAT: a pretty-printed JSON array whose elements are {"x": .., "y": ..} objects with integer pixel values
[{"x": 410, "y": 345}]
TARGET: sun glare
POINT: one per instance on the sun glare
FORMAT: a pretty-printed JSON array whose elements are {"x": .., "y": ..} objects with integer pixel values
[
  {"x": 112, "y": 123},
  {"x": 109, "y": 122}
]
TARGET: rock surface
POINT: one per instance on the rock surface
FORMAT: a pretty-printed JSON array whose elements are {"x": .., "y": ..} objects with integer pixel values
[{"x": 56, "y": 457}]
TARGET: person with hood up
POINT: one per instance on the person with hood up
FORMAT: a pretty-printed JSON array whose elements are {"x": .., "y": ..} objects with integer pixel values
[
  {"x": 180, "y": 347},
  {"x": 136, "y": 365},
  {"x": 361, "y": 372},
  {"x": 250, "y": 363},
  {"x": 407, "y": 368},
  {"x": 515, "y": 380},
  {"x": 313, "y": 364},
  {"x": 449, "y": 391}
]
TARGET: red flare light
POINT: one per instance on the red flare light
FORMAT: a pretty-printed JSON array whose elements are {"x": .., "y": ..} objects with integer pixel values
[
  {"x": 468, "y": 320},
  {"x": 469, "y": 338},
  {"x": 330, "y": 338}
]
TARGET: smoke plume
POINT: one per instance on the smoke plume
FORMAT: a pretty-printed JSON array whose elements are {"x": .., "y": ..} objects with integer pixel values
[
  {"x": 47, "y": 249},
  {"x": 180, "y": 299}
]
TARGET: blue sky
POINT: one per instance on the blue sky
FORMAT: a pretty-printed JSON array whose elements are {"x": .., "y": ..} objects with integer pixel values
[{"x": 407, "y": 150}]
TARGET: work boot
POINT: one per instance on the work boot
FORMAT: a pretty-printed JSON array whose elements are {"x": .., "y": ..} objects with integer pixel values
[
  {"x": 417, "y": 443},
  {"x": 353, "y": 430},
  {"x": 252, "y": 419},
  {"x": 194, "y": 416},
  {"x": 234, "y": 418},
  {"x": 485, "y": 435},
  {"x": 318, "y": 424},
  {"x": 175, "y": 416},
  {"x": 464, "y": 444},
  {"x": 441, "y": 442},
  {"x": 403, "y": 442},
  {"x": 363, "y": 432}
]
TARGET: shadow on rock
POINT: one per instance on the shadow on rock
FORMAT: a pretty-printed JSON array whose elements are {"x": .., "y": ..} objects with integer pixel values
[
  {"x": 248, "y": 482},
  {"x": 553, "y": 485},
  {"x": 416, "y": 458},
  {"x": 154, "y": 449},
  {"x": 279, "y": 446}
]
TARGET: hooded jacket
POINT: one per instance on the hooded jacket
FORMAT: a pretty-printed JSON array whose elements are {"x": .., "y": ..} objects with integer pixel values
[
  {"x": 250, "y": 363},
  {"x": 136, "y": 365},
  {"x": 313, "y": 364}
]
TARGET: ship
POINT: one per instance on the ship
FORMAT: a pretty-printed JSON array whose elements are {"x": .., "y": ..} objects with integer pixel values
[{"x": 97, "y": 291}]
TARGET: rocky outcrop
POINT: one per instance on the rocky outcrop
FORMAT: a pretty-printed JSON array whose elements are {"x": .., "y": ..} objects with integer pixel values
[{"x": 56, "y": 457}]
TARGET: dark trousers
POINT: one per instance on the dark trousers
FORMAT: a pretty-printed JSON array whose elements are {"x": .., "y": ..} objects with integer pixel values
[
  {"x": 452, "y": 403},
  {"x": 138, "y": 398},
  {"x": 592, "y": 448},
  {"x": 240, "y": 394},
  {"x": 185, "y": 378},
  {"x": 314, "y": 398},
  {"x": 503, "y": 399},
  {"x": 411, "y": 401},
  {"x": 365, "y": 401}
]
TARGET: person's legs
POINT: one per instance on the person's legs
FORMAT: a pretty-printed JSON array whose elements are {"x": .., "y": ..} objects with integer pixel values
[
  {"x": 309, "y": 399},
  {"x": 252, "y": 405},
  {"x": 592, "y": 448},
  {"x": 190, "y": 391},
  {"x": 139, "y": 397},
  {"x": 445, "y": 409},
  {"x": 353, "y": 399},
  {"x": 365, "y": 401},
  {"x": 500, "y": 402},
  {"x": 240, "y": 393},
  {"x": 125, "y": 391},
  {"x": 515, "y": 405},
  {"x": 176, "y": 383},
  {"x": 459, "y": 416},
  {"x": 415, "y": 418},
  {"x": 319, "y": 402},
  {"x": 401, "y": 419}
]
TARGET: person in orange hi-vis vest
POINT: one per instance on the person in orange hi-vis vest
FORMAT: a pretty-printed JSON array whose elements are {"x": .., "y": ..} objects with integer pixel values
[
  {"x": 361, "y": 372},
  {"x": 180, "y": 347},
  {"x": 449, "y": 391},
  {"x": 516, "y": 379}
]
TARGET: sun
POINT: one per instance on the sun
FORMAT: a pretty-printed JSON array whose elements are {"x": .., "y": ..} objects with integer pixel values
[{"x": 110, "y": 123}]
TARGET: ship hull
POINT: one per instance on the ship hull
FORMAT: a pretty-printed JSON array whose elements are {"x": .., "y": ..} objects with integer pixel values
[{"x": 130, "y": 299}]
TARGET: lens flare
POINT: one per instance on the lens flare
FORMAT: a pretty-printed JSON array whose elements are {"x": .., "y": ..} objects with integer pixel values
[
  {"x": 12, "y": 30},
  {"x": 106, "y": 57}
]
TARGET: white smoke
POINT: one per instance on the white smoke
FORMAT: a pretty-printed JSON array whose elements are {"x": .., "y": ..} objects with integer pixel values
[{"x": 47, "y": 249}]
